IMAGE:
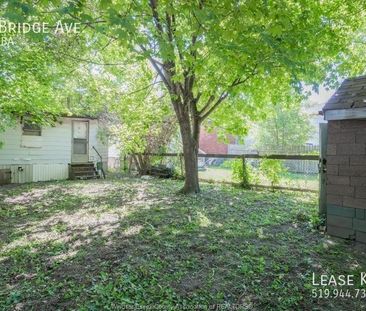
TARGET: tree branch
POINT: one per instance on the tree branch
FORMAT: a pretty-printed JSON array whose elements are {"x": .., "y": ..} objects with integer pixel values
[
  {"x": 88, "y": 61},
  {"x": 215, "y": 105},
  {"x": 207, "y": 105},
  {"x": 207, "y": 110},
  {"x": 153, "y": 5},
  {"x": 144, "y": 88},
  {"x": 159, "y": 70}
]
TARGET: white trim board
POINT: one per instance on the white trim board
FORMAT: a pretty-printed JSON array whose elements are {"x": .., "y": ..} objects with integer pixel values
[{"x": 345, "y": 114}]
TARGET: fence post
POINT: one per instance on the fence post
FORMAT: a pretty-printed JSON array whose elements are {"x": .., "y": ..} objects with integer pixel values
[
  {"x": 181, "y": 165},
  {"x": 125, "y": 163},
  {"x": 245, "y": 182},
  {"x": 129, "y": 164}
]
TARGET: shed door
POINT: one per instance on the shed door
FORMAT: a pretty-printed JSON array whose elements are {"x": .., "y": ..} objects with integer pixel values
[
  {"x": 80, "y": 141},
  {"x": 323, "y": 135}
]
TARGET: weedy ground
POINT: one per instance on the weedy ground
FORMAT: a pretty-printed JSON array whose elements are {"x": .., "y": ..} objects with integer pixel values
[{"x": 105, "y": 244}]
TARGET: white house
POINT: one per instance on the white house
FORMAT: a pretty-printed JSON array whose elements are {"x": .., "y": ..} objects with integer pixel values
[{"x": 71, "y": 148}]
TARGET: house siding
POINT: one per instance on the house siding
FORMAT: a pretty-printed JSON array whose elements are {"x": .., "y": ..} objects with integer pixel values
[
  {"x": 56, "y": 146},
  {"x": 44, "y": 172},
  {"x": 50, "y": 157},
  {"x": 346, "y": 177},
  {"x": 98, "y": 144},
  {"x": 20, "y": 173}
]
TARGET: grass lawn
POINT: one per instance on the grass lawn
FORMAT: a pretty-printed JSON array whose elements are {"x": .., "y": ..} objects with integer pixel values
[
  {"x": 102, "y": 244},
  {"x": 216, "y": 173}
]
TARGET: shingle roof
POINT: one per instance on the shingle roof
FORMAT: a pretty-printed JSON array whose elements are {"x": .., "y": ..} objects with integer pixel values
[{"x": 351, "y": 94}]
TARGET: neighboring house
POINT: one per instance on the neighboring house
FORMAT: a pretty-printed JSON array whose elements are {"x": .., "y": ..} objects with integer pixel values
[
  {"x": 69, "y": 149},
  {"x": 209, "y": 143},
  {"x": 248, "y": 146}
]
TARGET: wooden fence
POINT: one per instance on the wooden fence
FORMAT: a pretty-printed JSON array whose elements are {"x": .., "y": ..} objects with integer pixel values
[{"x": 245, "y": 157}]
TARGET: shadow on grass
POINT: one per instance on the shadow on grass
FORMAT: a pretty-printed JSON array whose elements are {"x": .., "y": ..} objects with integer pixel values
[{"x": 102, "y": 244}]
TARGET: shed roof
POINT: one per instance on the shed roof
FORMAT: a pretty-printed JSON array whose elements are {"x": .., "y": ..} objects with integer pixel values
[{"x": 351, "y": 94}]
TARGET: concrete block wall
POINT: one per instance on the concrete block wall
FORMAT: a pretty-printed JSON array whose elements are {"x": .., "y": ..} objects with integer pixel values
[{"x": 346, "y": 179}]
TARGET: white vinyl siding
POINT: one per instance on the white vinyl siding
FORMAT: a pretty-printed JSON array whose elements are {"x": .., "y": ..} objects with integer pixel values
[
  {"x": 20, "y": 173},
  {"x": 31, "y": 141},
  {"x": 44, "y": 172},
  {"x": 50, "y": 160},
  {"x": 55, "y": 147},
  {"x": 100, "y": 146}
]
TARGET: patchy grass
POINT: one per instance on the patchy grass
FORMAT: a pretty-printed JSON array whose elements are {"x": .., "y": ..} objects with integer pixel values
[
  {"x": 217, "y": 174},
  {"x": 102, "y": 244},
  {"x": 288, "y": 180}
]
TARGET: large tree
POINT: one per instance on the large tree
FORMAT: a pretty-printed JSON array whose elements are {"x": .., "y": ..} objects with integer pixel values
[
  {"x": 142, "y": 120},
  {"x": 284, "y": 130},
  {"x": 245, "y": 53}
]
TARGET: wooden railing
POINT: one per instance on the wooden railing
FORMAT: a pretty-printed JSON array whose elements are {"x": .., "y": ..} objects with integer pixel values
[{"x": 101, "y": 162}]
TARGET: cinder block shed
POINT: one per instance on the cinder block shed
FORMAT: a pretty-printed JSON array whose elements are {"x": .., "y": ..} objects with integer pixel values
[{"x": 346, "y": 160}]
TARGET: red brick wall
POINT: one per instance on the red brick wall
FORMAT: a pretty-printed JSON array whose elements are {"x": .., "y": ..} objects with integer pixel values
[{"x": 209, "y": 143}]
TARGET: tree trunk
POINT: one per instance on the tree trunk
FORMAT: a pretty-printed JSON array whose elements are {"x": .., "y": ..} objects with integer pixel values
[
  {"x": 190, "y": 151},
  {"x": 142, "y": 163}
]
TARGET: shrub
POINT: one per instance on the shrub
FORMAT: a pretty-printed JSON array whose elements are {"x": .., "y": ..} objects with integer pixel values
[
  {"x": 272, "y": 170},
  {"x": 243, "y": 174}
]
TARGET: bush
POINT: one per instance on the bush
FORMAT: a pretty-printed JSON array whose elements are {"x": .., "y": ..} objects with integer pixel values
[
  {"x": 272, "y": 170},
  {"x": 244, "y": 175}
]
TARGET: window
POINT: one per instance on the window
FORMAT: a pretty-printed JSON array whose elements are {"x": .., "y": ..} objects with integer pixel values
[
  {"x": 30, "y": 129},
  {"x": 80, "y": 146},
  {"x": 80, "y": 137}
]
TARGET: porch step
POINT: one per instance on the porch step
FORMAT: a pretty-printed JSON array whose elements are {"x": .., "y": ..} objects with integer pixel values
[{"x": 83, "y": 171}]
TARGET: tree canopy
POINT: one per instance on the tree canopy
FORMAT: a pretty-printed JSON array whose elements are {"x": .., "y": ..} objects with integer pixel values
[
  {"x": 141, "y": 113},
  {"x": 284, "y": 129},
  {"x": 219, "y": 60}
]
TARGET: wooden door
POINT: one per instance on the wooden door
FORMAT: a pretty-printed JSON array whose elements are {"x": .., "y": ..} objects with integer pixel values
[
  {"x": 323, "y": 136},
  {"x": 80, "y": 141}
]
